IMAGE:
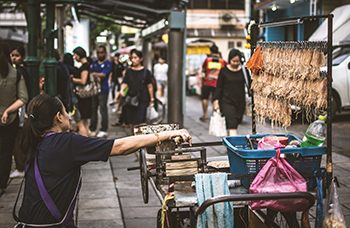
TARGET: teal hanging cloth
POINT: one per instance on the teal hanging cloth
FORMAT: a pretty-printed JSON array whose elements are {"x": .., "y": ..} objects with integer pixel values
[{"x": 219, "y": 215}]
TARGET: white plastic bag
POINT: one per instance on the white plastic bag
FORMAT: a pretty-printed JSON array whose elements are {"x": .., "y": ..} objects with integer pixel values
[
  {"x": 217, "y": 126},
  {"x": 151, "y": 113}
]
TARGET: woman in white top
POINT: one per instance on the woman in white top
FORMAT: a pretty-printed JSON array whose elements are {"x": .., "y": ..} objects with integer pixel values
[{"x": 160, "y": 72}]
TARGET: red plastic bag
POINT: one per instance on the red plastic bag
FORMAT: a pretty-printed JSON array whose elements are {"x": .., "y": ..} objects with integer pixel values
[{"x": 279, "y": 176}]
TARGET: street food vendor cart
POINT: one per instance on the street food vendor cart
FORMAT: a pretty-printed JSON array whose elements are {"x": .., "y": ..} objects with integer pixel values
[{"x": 172, "y": 166}]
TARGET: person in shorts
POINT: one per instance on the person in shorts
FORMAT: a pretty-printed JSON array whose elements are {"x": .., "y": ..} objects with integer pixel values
[{"x": 211, "y": 68}]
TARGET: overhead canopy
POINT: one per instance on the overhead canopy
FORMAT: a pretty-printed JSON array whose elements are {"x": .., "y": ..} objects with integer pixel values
[{"x": 135, "y": 13}]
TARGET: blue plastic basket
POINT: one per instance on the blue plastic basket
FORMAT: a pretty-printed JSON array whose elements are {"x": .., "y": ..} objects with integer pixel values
[{"x": 244, "y": 160}]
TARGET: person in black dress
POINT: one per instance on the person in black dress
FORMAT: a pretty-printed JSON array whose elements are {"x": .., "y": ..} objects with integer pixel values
[
  {"x": 229, "y": 96},
  {"x": 138, "y": 80},
  {"x": 84, "y": 104}
]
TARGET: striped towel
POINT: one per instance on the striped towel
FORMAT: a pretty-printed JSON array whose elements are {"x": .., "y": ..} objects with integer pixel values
[{"x": 219, "y": 215}]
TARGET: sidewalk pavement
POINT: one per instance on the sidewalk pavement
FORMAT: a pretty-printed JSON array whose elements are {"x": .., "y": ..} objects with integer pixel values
[{"x": 111, "y": 195}]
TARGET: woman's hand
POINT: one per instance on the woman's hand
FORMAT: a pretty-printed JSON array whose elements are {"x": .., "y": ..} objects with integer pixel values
[
  {"x": 183, "y": 133},
  {"x": 151, "y": 102},
  {"x": 4, "y": 117},
  {"x": 216, "y": 105}
]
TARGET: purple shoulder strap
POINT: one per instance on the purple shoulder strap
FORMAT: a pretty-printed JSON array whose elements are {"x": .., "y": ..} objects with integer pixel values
[{"x": 67, "y": 219}]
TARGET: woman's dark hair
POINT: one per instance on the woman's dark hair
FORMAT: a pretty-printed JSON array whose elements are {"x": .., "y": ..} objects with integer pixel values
[
  {"x": 68, "y": 59},
  {"x": 41, "y": 110},
  {"x": 5, "y": 51},
  {"x": 234, "y": 53},
  {"x": 137, "y": 52},
  {"x": 21, "y": 50},
  {"x": 80, "y": 52}
]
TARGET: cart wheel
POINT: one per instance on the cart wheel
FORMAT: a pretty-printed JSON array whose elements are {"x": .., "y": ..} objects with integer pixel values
[{"x": 144, "y": 175}]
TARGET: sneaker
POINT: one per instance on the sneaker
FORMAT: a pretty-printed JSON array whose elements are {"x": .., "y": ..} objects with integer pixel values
[
  {"x": 16, "y": 174},
  {"x": 92, "y": 133},
  {"x": 102, "y": 134}
]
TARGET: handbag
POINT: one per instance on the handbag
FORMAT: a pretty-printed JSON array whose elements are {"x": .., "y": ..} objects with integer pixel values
[
  {"x": 90, "y": 89},
  {"x": 131, "y": 100},
  {"x": 278, "y": 176},
  {"x": 217, "y": 125}
]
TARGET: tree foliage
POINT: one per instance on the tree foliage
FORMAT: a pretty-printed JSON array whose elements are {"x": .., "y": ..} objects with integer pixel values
[{"x": 100, "y": 24}]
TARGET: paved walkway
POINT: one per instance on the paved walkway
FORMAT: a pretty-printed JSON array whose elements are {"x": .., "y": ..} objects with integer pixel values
[{"x": 111, "y": 195}]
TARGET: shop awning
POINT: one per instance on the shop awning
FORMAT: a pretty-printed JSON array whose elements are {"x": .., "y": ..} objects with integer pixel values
[{"x": 134, "y": 13}]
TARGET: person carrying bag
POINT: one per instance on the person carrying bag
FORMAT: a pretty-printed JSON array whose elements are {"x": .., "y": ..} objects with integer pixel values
[{"x": 217, "y": 126}]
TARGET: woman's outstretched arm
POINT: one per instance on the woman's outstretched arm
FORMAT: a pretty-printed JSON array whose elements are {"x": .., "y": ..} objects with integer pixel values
[{"x": 130, "y": 144}]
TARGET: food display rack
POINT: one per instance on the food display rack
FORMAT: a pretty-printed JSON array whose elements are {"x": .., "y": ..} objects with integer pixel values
[{"x": 295, "y": 21}]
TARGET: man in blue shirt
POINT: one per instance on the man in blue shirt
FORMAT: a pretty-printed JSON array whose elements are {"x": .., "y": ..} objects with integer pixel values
[{"x": 101, "y": 68}]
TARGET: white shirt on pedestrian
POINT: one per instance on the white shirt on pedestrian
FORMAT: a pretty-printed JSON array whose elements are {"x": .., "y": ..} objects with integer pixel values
[{"x": 161, "y": 72}]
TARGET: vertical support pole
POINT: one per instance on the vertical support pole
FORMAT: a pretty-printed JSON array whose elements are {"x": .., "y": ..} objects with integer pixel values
[
  {"x": 32, "y": 59},
  {"x": 254, "y": 36},
  {"x": 50, "y": 63},
  {"x": 175, "y": 77},
  {"x": 329, "y": 165},
  {"x": 176, "y": 63},
  {"x": 147, "y": 54},
  {"x": 184, "y": 77},
  {"x": 301, "y": 32},
  {"x": 60, "y": 21}
]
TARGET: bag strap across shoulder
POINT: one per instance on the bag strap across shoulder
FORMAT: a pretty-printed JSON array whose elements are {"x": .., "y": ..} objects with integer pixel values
[{"x": 48, "y": 201}]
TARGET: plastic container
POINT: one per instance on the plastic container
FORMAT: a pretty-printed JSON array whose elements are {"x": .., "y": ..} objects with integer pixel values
[
  {"x": 244, "y": 160},
  {"x": 315, "y": 134}
]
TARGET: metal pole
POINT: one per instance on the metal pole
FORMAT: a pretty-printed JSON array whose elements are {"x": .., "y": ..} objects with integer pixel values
[
  {"x": 50, "y": 63},
  {"x": 329, "y": 165},
  {"x": 32, "y": 59},
  {"x": 175, "y": 77},
  {"x": 60, "y": 21},
  {"x": 253, "y": 40},
  {"x": 184, "y": 78},
  {"x": 147, "y": 54}
]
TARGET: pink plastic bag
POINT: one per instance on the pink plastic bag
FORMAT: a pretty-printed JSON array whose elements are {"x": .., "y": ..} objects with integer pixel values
[
  {"x": 279, "y": 176},
  {"x": 268, "y": 142}
]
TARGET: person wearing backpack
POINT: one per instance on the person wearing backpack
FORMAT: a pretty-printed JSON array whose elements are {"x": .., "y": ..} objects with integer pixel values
[{"x": 211, "y": 68}]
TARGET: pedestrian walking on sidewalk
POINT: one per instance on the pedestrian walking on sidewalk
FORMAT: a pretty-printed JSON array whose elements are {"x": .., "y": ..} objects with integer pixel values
[
  {"x": 13, "y": 95},
  {"x": 160, "y": 72},
  {"x": 211, "y": 68},
  {"x": 101, "y": 68},
  {"x": 82, "y": 78},
  {"x": 229, "y": 96},
  {"x": 17, "y": 60},
  {"x": 55, "y": 156},
  {"x": 138, "y": 82}
]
